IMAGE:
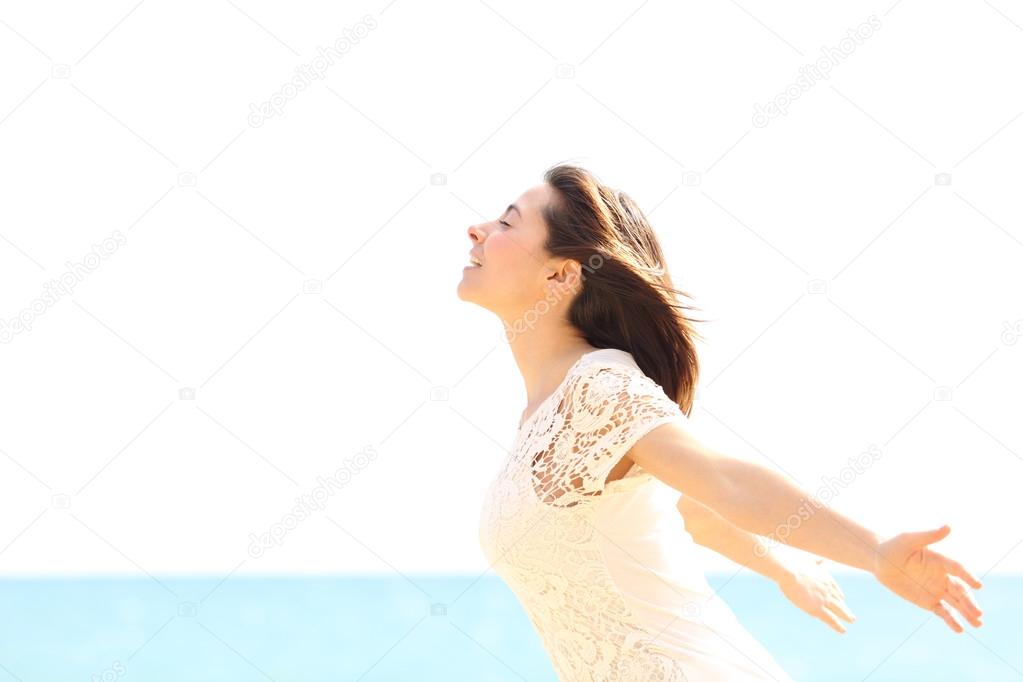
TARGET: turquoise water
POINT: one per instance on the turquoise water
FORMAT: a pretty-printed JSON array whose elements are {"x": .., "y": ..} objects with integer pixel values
[{"x": 429, "y": 628}]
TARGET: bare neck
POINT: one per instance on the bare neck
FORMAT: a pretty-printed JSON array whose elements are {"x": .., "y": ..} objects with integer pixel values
[{"x": 544, "y": 354}]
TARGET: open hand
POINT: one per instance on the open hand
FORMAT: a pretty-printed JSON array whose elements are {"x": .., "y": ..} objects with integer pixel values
[
  {"x": 906, "y": 566},
  {"x": 812, "y": 589}
]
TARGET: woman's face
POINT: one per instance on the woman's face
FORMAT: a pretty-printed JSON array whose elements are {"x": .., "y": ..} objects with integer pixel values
[{"x": 517, "y": 270}]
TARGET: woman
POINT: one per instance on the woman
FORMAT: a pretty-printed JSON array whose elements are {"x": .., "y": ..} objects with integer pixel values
[{"x": 579, "y": 521}]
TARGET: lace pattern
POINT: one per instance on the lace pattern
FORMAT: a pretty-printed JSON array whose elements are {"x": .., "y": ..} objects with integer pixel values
[{"x": 537, "y": 530}]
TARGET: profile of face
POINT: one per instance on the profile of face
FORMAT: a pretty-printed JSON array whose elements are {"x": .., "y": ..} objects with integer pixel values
[{"x": 516, "y": 271}]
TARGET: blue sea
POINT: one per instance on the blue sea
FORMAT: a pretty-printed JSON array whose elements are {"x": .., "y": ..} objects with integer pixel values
[{"x": 428, "y": 627}]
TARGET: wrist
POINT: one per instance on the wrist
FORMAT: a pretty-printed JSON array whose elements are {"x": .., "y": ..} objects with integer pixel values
[
  {"x": 768, "y": 564},
  {"x": 785, "y": 574},
  {"x": 876, "y": 541}
]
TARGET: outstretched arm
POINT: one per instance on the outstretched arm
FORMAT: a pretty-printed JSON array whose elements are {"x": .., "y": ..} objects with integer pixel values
[
  {"x": 763, "y": 501},
  {"x": 713, "y": 531},
  {"x": 809, "y": 587}
]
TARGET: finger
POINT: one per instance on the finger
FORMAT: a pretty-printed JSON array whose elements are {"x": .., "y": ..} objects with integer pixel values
[
  {"x": 829, "y": 618},
  {"x": 959, "y": 588},
  {"x": 841, "y": 609},
  {"x": 942, "y": 610},
  {"x": 960, "y": 605},
  {"x": 926, "y": 537},
  {"x": 958, "y": 569},
  {"x": 959, "y": 598},
  {"x": 964, "y": 610}
]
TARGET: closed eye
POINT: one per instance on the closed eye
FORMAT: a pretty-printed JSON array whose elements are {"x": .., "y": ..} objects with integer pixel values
[{"x": 503, "y": 223}]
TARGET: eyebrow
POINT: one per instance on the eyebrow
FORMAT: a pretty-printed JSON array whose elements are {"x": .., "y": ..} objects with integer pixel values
[{"x": 513, "y": 207}]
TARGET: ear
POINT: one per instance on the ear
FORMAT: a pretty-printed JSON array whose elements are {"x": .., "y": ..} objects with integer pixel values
[
  {"x": 566, "y": 274},
  {"x": 565, "y": 278}
]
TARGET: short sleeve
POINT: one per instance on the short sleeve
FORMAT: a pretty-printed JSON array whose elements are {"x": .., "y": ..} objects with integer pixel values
[{"x": 606, "y": 409}]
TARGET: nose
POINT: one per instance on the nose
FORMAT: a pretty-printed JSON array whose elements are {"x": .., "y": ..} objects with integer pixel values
[{"x": 476, "y": 234}]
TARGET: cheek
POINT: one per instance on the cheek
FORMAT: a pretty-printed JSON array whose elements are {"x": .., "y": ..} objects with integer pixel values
[
  {"x": 513, "y": 262},
  {"x": 504, "y": 252}
]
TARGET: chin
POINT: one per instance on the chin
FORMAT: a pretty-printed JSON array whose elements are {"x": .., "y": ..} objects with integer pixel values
[{"x": 464, "y": 292}]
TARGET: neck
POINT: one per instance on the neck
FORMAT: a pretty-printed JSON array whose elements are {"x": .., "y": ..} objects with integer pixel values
[{"x": 544, "y": 350}]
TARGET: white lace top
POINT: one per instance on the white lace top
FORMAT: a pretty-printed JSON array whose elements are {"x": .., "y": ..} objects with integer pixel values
[{"x": 606, "y": 571}]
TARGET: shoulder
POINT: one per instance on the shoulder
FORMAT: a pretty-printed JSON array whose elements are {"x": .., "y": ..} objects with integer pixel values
[
  {"x": 611, "y": 378},
  {"x": 608, "y": 362}
]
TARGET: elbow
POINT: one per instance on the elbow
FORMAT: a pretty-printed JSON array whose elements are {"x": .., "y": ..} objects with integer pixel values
[
  {"x": 694, "y": 517},
  {"x": 739, "y": 493},
  {"x": 697, "y": 531}
]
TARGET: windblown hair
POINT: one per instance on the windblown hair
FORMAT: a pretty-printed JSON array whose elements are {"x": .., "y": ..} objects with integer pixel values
[{"x": 627, "y": 300}]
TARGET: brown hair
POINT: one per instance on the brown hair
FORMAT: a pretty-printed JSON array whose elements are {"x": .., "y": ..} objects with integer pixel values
[{"x": 627, "y": 299}]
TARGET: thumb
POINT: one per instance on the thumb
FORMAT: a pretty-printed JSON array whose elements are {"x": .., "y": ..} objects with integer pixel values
[{"x": 926, "y": 537}]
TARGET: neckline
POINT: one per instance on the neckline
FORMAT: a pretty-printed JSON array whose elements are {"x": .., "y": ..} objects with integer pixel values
[{"x": 568, "y": 375}]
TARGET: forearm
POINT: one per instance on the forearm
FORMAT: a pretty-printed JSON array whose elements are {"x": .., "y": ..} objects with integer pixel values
[
  {"x": 713, "y": 531},
  {"x": 768, "y": 503},
  {"x": 753, "y": 497}
]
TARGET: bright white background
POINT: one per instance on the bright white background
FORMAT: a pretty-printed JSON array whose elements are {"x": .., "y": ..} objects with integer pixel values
[{"x": 858, "y": 257}]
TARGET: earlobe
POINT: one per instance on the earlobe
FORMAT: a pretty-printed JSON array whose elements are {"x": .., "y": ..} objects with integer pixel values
[
  {"x": 562, "y": 279},
  {"x": 566, "y": 274}
]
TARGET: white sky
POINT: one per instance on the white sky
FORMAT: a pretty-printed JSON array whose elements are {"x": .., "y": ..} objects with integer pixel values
[{"x": 105, "y": 468}]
